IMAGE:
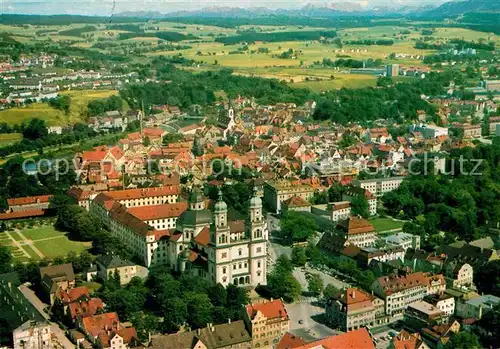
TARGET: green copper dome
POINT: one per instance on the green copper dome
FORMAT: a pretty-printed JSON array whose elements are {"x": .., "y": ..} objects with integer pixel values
[{"x": 220, "y": 205}]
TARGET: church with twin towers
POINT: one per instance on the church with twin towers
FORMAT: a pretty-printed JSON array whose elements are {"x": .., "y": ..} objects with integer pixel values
[{"x": 223, "y": 251}]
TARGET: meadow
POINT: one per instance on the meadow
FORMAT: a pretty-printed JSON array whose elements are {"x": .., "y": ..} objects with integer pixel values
[{"x": 9, "y": 138}]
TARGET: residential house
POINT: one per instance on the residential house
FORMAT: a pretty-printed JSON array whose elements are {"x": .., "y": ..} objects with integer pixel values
[
  {"x": 351, "y": 309},
  {"x": 111, "y": 265},
  {"x": 444, "y": 302},
  {"x": 422, "y": 314},
  {"x": 267, "y": 322},
  {"x": 476, "y": 307},
  {"x": 56, "y": 278},
  {"x": 231, "y": 335},
  {"x": 407, "y": 340}
]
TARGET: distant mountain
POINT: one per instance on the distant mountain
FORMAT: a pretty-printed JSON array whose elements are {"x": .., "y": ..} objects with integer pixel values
[
  {"x": 458, "y": 8},
  {"x": 337, "y": 8}
]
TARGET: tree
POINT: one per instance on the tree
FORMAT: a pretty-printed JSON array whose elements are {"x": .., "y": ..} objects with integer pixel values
[
  {"x": 330, "y": 291},
  {"x": 283, "y": 285},
  {"x": 463, "y": 340},
  {"x": 145, "y": 324},
  {"x": 283, "y": 264},
  {"x": 299, "y": 257},
  {"x": 487, "y": 278},
  {"x": 491, "y": 323},
  {"x": 360, "y": 206},
  {"x": 146, "y": 141},
  {"x": 315, "y": 283},
  {"x": 174, "y": 314},
  {"x": 5, "y": 259},
  {"x": 35, "y": 129},
  {"x": 296, "y": 227},
  {"x": 199, "y": 309}
]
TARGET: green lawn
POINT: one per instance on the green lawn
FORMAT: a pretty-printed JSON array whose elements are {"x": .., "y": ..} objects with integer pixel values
[
  {"x": 31, "y": 252},
  {"x": 46, "y": 231},
  {"x": 92, "y": 286},
  {"x": 48, "y": 240},
  {"x": 384, "y": 224},
  {"x": 61, "y": 247}
]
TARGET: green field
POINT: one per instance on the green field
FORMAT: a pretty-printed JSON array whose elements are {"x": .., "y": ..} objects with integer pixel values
[
  {"x": 384, "y": 224},
  {"x": 50, "y": 242},
  {"x": 9, "y": 138},
  {"x": 43, "y": 111},
  {"x": 80, "y": 99},
  {"x": 46, "y": 231},
  {"x": 61, "y": 247}
]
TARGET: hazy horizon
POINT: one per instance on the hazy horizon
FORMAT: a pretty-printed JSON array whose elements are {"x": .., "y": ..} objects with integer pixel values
[{"x": 109, "y": 7}]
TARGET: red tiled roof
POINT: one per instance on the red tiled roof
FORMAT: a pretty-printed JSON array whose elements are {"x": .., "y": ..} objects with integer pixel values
[
  {"x": 406, "y": 340},
  {"x": 148, "y": 213},
  {"x": 98, "y": 154},
  {"x": 355, "y": 299},
  {"x": 296, "y": 201},
  {"x": 28, "y": 200},
  {"x": 128, "y": 334},
  {"x": 69, "y": 296},
  {"x": 396, "y": 283},
  {"x": 203, "y": 238},
  {"x": 94, "y": 325},
  {"x": 130, "y": 194},
  {"x": 356, "y": 225},
  {"x": 21, "y": 214},
  {"x": 358, "y": 339},
  {"x": 290, "y": 341},
  {"x": 86, "y": 308},
  {"x": 270, "y": 309}
]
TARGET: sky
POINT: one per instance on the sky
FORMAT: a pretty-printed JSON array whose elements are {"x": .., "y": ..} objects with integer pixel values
[{"x": 107, "y": 7}]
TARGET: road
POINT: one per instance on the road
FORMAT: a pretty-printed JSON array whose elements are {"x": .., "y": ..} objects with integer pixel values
[{"x": 40, "y": 306}]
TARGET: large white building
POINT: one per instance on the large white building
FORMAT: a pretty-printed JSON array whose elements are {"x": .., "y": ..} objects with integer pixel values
[
  {"x": 379, "y": 186},
  {"x": 192, "y": 239}
]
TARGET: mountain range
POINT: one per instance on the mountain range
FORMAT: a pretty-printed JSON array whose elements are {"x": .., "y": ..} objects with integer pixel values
[{"x": 439, "y": 9}]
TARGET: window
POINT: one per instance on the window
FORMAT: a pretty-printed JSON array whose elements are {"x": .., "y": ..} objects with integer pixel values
[
  {"x": 224, "y": 270},
  {"x": 240, "y": 252},
  {"x": 258, "y": 264},
  {"x": 224, "y": 255}
]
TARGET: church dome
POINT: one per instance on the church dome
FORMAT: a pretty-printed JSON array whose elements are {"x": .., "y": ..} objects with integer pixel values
[{"x": 220, "y": 205}]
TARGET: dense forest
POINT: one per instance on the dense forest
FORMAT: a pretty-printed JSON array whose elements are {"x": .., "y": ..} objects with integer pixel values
[
  {"x": 392, "y": 102},
  {"x": 78, "y": 31},
  {"x": 277, "y": 36},
  {"x": 461, "y": 202},
  {"x": 164, "y": 35},
  {"x": 186, "y": 89}
]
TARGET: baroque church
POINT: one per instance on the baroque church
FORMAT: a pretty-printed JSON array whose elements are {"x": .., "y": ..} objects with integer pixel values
[{"x": 207, "y": 244}]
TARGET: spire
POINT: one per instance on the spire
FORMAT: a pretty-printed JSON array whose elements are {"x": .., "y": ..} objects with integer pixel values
[{"x": 220, "y": 205}]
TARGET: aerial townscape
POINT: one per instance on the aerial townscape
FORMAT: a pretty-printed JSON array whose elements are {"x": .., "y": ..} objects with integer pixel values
[{"x": 309, "y": 174}]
